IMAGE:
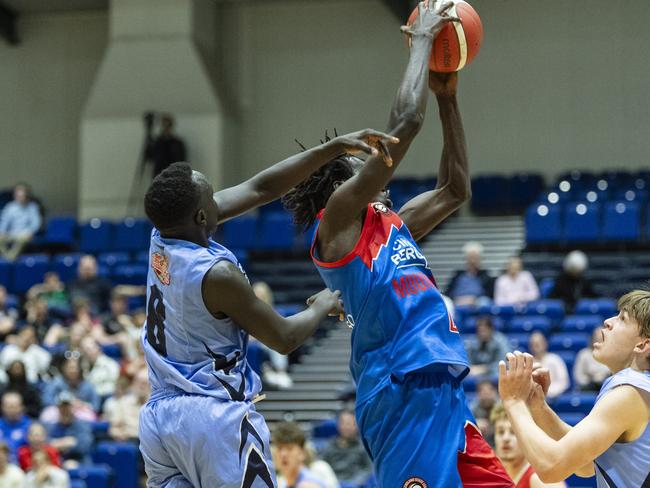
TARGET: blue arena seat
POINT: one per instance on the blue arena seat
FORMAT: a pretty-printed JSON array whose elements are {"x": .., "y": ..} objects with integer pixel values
[
  {"x": 568, "y": 341},
  {"x": 130, "y": 274},
  {"x": 61, "y": 230},
  {"x": 78, "y": 484},
  {"x": 95, "y": 476},
  {"x": 574, "y": 403},
  {"x": 504, "y": 312},
  {"x": 468, "y": 325},
  {"x": 581, "y": 323},
  {"x": 490, "y": 194},
  {"x": 543, "y": 223},
  {"x": 122, "y": 457},
  {"x": 112, "y": 351},
  {"x": 112, "y": 259},
  {"x": 569, "y": 358},
  {"x": 582, "y": 222},
  {"x": 572, "y": 418},
  {"x": 6, "y": 269},
  {"x": 287, "y": 309},
  {"x": 605, "y": 307},
  {"x": 240, "y": 232},
  {"x": 546, "y": 287},
  {"x": 28, "y": 271},
  {"x": 65, "y": 265},
  {"x": 622, "y": 221},
  {"x": 519, "y": 341},
  {"x": 325, "y": 429},
  {"x": 276, "y": 231},
  {"x": 529, "y": 324},
  {"x": 131, "y": 235},
  {"x": 524, "y": 188},
  {"x": 142, "y": 257},
  {"x": 553, "y": 309},
  {"x": 95, "y": 236}
]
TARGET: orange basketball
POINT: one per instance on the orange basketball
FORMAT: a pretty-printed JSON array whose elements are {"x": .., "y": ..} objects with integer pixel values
[{"x": 458, "y": 43}]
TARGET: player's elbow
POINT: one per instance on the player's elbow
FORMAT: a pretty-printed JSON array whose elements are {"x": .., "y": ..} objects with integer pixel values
[{"x": 552, "y": 472}]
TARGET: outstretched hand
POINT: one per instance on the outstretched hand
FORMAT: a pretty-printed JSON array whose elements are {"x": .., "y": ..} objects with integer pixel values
[
  {"x": 430, "y": 20},
  {"x": 367, "y": 141}
]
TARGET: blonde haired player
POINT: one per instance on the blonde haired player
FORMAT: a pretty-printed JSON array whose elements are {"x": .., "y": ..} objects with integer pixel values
[
  {"x": 511, "y": 455},
  {"x": 613, "y": 441}
]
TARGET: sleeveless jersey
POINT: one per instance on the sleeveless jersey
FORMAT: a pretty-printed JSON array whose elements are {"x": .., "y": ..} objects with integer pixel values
[
  {"x": 186, "y": 348},
  {"x": 524, "y": 480},
  {"x": 399, "y": 319},
  {"x": 625, "y": 464}
]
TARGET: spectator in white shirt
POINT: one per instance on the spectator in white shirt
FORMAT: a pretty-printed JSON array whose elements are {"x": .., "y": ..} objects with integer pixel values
[
  {"x": 19, "y": 221},
  {"x": 44, "y": 475},
  {"x": 26, "y": 349},
  {"x": 516, "y": 286},
  {"x": 556, "y": 366},
  {"x": 99, "y": 369},
  {"x": 588, "y": 373},
  {"x": 11, "y": 476}
]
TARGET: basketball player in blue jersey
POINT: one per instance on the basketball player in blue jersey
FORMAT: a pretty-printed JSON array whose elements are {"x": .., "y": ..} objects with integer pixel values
[
  {"x": 613, "y": 441},
  {"x": 200, "y": 427},
  {"x": 407, "y": 356}
]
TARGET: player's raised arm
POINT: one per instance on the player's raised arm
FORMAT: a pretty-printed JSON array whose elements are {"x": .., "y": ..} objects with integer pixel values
[
  {"x": 424, "y": 212},
  {"x": 226, "y": 292},
  {"x": 406, "y": 118},
  {"x": 277, "y": 180}
]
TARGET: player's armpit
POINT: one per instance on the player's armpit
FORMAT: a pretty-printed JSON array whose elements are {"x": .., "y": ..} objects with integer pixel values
[
  {"x": 426, "y": 211},
  {"x": 596, "y": 433}
]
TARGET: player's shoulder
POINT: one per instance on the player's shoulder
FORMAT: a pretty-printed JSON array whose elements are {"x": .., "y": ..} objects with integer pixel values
[{"x": 223, "y": 272}]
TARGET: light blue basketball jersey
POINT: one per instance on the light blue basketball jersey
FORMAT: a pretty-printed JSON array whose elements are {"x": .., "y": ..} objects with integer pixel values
[
  {"x": 187, "y": 349},
  {"x": 625, "y": 464}
]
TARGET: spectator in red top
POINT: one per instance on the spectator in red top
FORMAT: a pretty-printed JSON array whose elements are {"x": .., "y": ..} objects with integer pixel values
[{"x": 37, "y": 441}]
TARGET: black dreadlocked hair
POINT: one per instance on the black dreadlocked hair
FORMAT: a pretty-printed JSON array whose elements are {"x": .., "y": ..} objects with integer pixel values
[
  {"x": 310, "y": 196},
  {"x": 172, "y": 196}
]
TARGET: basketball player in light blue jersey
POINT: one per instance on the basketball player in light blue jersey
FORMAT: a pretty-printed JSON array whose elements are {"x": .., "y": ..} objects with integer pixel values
[
  {"x": 613, "y": 441},
  {"x": 200, "y": 427}
]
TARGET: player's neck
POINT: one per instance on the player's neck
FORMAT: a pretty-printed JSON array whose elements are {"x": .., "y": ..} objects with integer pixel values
[
  {"x": 195, "y": 235},
  {"x": 515, "y": 468},
  {"x": 292, "y": 476}
]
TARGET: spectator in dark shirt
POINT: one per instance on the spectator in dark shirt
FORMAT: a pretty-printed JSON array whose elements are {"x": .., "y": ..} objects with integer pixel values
[
  {"x": 165, "y": 149},
  {"x": 487, "y": 349},
  {"x": 19, "y": 221},
  {"x": 71, "y": 437},
  {"x": 14, "y": 423},
  {"x": 89, "y": 286},
  {"x": 345, "y": 453},
  {"x": 470, "y": 285},
  {"x": 39, "y": 317},
  {"x": 17, "y": 382},
  {"x": 487, "y": 397},
  {"x": 572, "y": 285}
]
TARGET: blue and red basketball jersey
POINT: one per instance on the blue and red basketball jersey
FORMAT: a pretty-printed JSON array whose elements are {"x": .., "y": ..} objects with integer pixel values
[{"x": 400, "y": 321}]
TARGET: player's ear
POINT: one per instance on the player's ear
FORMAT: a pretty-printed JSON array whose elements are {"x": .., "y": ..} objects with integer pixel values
[
  {"x": 337, "y": 183},
  {"x": 201, "y": 218},
  {"x": 643, "y": 347}
]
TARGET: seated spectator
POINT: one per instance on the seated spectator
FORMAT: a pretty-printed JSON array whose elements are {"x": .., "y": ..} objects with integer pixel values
[
  {"x": 40, "y": 318},
  {"x": 489, "y": 347},
  {"x": 17, "y": 382},
  {"x": 275, "y": 371},
  {"x": 11, "y": 476},
  {"x": 7, "y": 316},
  {"x": 45, "y": 475},
  {"x": 511, "y": 455},
  {"x": 346, "y": 454},
  {"x": 100, "y": 370},
  {"x": 516, "y": 286},
  {"x": 486, "y": 398},
  {"x": 14, "y": 423},
  {"x": 472, "y": 284},
  {"x": 19, "y": 221},
  {"x": 538, "y": 347},
  {"x": 52, "y": 290},
  {"x": 117, "y": 323},
  {"x": 37, "y": 441},
  {"x": 588, "y": 373},
  {"x": 289, "y": 453},
  {"x": 26, "y": 349},
  {"x": 572, "y": 285},
  {"x": 72, "y": 381},
  {"x": 319, "y": 468},
  {"x": 88, "y": 286},
  {"x": 73, "y": 438},
  {"x": 124, "y": 412}
]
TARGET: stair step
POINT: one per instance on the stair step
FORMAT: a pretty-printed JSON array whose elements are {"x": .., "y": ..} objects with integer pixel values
[
  {"x": 338, "y": 377},
  {"x": 293, "y": 395},
  {"x": 311, "y": 417},
  {"x": 319, "y": 406},
  {"x": 320, "y": 368}
]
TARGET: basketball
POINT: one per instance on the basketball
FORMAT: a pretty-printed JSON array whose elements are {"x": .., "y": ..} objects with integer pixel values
[{"x": 458, "y": 43}]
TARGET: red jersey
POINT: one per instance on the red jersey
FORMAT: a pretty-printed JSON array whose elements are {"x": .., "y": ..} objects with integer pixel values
[{"x": 524, "y": 479}]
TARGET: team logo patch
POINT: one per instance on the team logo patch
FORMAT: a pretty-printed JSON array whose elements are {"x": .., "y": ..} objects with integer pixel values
[
  {"x": 415, "y": 483},
  {"x": 380, "y": 208},
  {"x": 160, "y": 265}
]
